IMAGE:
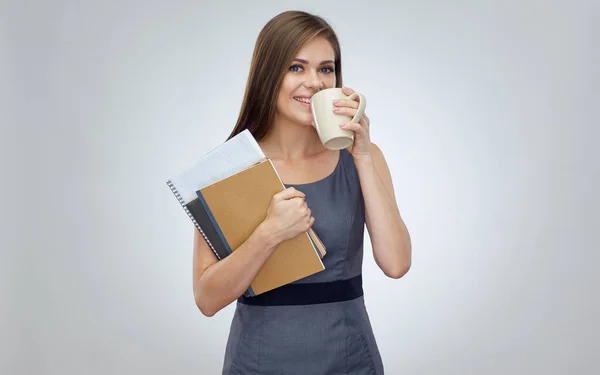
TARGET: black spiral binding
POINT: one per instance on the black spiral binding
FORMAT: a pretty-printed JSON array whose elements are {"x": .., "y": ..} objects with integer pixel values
[{"x": 178, "y": 196}]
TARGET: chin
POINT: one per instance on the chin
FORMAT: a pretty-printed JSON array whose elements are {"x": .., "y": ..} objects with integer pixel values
[
  {"x": 304, "y": 120},
  {"x": 300, "y": 118}
]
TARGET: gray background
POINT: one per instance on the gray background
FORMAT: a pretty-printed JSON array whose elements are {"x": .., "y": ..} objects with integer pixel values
[{"x": 487, "y": 113}]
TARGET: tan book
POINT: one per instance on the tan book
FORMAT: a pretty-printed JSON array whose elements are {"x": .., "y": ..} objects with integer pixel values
[
  {"x": 226, "y": 193},
  {"x": 235, "y": 206}
]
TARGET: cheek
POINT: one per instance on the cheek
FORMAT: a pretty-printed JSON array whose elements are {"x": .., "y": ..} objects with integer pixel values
[
  {"x": 287, "y": 85},
  {"x": 331, "y": 80},
  {"x": 284, "y": 94},
  {"x": 283, "y": 104},
  {"x": 328, "y": 80}
]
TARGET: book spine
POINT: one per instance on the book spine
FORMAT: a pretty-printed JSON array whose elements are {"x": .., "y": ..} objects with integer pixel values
[
  {"x": 187, "y": 211},
  {"x": 208, "y": 213},
  {"x": 220, "y": 241},
  {"x": 249, "y": 292}
]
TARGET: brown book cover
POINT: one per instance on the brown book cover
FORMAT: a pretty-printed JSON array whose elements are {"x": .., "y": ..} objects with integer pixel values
[{"x": 236, "y": 205}]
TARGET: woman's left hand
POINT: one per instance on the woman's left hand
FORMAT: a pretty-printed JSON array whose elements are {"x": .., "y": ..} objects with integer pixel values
[{"x": 361, "y": 148}]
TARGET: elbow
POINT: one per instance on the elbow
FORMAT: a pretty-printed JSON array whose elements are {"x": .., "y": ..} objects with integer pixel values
[
  {"x": 399, "y": 261},
  {"x": 204, "y": 304},
  {"x": 399, "y": 271},
  {"x": 402, "y": 265},
  {"x": 205, "y": 307},
  {"x": 205, "y": 310}
]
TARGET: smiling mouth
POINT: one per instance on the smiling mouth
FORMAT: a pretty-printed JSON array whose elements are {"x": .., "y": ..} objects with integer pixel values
[{"x": 302, "y": 100}]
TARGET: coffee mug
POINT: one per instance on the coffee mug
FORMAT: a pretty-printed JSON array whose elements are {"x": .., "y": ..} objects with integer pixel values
[{"x": 327, "y": 122}]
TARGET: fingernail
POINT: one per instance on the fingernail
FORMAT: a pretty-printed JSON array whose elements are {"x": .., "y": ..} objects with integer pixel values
[
  {"x": 336, "y": 101},
  {"x": 336, "y": 109}
]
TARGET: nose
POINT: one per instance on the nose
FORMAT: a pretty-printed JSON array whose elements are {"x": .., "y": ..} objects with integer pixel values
[{"x": 313, "y": 81}]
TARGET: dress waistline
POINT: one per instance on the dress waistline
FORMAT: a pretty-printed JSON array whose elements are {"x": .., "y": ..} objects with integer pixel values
[{"x": 308, "y": 293}]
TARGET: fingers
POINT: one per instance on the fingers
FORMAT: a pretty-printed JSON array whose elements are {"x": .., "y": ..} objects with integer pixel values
[
  {"x": 364, "y": 120},
  {"x": 303, "y": 209},
  {"x": 347, "y": 90},
  {"x": 345, "y": 103},
  {"x": 344, "y": 111},
  {"x": 289, "y": 193},
  {"x": 352, "y": 126},
  {"x": 307, "y": 223},
  {"x": 305, "y": 218},
  {"x": 345, "y": 107}
]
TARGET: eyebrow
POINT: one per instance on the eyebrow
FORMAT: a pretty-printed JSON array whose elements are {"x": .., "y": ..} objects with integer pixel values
[{"x": 322, "y": 62}]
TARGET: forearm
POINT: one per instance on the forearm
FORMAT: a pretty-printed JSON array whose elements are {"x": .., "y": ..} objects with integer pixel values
[
  {"x": 389, "y": 236},
  {"x": 226, "y": 280}
]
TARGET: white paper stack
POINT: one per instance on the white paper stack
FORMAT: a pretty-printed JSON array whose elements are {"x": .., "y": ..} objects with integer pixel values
[{"x": 237, "y": 154}]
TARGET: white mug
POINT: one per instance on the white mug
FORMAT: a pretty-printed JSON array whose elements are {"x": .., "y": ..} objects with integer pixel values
[{"x": 327, "y": 122}]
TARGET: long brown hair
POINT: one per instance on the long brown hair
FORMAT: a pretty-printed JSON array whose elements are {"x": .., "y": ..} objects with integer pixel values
[{"x": 276, "y": 46}]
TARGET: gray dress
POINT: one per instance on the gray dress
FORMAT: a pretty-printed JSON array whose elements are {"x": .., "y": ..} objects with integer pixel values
[{"x": 319, "y": 324}]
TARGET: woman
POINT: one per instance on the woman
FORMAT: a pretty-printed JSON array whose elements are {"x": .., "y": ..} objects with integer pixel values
[{"x": 325, "y": 328}]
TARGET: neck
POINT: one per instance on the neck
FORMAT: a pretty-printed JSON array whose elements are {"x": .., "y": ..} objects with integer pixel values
[{"x": 290, "y": 141}]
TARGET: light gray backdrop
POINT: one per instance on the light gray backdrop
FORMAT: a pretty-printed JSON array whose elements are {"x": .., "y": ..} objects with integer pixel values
[{"x": 487, "y": 113}]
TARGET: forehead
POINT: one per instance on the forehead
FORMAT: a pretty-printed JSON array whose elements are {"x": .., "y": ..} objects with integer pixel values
[{"x": 316, "y": 50}]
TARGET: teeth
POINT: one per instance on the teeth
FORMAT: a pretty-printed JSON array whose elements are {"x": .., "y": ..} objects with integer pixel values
[{"x": 303, "y": 100}]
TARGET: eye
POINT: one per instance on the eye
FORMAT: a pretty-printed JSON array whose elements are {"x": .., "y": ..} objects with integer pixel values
[
  {"x": 295, "y": 68},
  {"x": 327, "y": 70}
]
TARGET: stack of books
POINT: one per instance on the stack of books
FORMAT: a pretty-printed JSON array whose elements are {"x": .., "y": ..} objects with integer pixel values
[{"x": 226, "y": 194}]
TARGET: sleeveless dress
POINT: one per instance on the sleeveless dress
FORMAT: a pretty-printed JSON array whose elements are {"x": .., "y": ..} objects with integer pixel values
[{"x": 317, "y": 325}]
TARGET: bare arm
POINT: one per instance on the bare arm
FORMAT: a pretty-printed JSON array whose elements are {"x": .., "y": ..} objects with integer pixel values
[
  {"x": 218, "y": 283},
  {"x": 389, "y": 235},
  {"x": 391, "y": 242}
]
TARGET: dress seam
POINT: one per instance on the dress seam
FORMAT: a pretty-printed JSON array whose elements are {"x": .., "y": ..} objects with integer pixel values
[{"x": 354, "y": 207}]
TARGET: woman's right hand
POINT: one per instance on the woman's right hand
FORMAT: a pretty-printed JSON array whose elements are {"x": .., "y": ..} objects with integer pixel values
[{"x": 288, "y": 215}]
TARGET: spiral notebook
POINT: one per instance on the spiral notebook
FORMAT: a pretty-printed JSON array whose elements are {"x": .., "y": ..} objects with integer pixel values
[{"x": 226, "y": 194}]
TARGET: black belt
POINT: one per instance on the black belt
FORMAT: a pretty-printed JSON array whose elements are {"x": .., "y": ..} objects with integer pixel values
[{"x": 308, "y": 294}]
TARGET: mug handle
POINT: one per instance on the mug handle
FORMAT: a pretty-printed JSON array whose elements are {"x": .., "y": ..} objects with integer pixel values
[{"x": 362, "y": 104}]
